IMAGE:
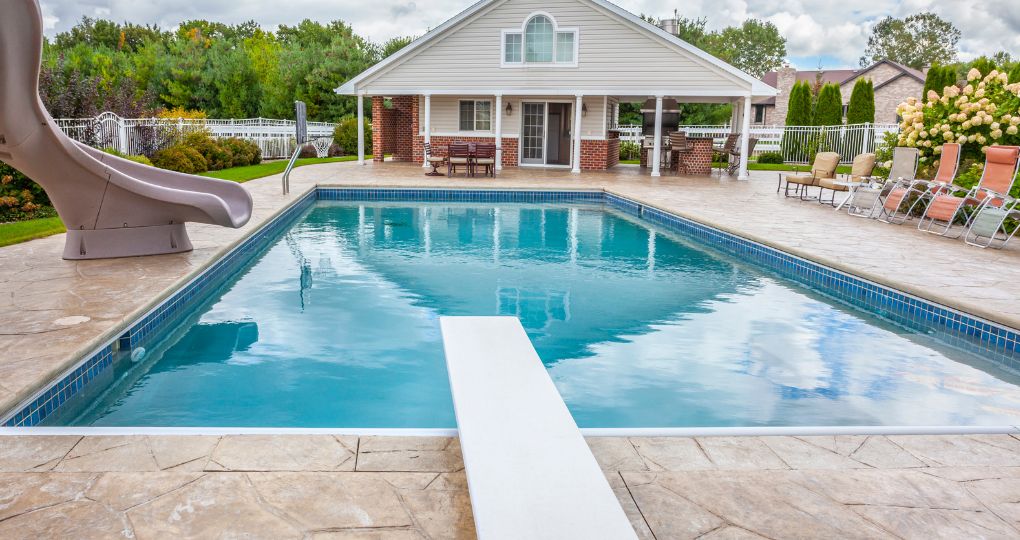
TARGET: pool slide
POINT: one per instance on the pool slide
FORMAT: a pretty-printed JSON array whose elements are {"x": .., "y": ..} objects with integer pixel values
[{"x": 112, "y": 207}]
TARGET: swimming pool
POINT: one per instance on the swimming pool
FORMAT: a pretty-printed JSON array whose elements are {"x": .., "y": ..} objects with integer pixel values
[{"x": 334, "y": 323}]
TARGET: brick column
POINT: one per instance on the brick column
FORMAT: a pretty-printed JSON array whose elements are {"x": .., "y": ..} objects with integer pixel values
[{"x": 378, "y": 128}]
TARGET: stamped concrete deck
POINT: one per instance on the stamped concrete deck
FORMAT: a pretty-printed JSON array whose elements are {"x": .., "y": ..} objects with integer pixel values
[
  {"x": 401, "y": 488},
  {"x": 54, "y": 311}
]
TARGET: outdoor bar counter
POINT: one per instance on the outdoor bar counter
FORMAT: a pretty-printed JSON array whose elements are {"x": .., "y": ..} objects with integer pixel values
[{"x": 698, "y": 160}]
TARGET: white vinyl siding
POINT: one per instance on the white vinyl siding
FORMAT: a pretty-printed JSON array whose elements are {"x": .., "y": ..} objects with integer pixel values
[
  {"x": 611, "y": 54},
  {"x": 446, "y": 114},
  {"x": 475, "y": 115}
]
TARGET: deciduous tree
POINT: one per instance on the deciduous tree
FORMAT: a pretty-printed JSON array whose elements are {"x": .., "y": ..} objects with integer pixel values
[{"x": 916, "y": 41}]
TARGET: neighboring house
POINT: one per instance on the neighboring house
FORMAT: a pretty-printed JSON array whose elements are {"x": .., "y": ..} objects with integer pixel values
[
  {"x": 542, "y": 80},
  {"x": 894, "y": 83}
]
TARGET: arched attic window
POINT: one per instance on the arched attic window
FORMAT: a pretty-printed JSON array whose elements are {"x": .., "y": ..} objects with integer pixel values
[{"x": 539, "y": 42}]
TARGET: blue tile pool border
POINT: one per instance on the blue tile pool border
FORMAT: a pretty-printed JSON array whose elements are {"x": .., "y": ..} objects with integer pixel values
[{"x": 996, "y": 342}]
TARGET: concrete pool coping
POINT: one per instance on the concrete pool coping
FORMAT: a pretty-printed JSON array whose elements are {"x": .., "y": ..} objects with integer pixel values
[{"x": 281, "y": 204}]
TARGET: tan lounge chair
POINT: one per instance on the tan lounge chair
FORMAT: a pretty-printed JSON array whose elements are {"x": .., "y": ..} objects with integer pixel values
[
  {"x": 824, "y": 166},
  {"x": 860, "y": 171}
]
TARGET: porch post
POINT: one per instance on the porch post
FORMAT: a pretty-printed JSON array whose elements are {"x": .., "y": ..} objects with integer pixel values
[
  {"x": 361, "y": 129},
  {"x": 428, "y": 128},
  {"x": 498, "y": 113},
  {"x": 745, "y": 134},
  {"x": 578, "y": 107},
  {"x": 657, "y": 148}
]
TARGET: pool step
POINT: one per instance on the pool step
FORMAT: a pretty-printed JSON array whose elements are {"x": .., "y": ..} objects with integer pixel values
[{"x": 529, "y": 471}]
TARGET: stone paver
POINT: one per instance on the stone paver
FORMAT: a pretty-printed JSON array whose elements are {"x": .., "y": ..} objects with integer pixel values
[{"x": 670, "y": 495}]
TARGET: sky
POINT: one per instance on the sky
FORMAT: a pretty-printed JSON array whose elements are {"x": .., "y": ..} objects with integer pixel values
[{"x": 830, "y": 33}]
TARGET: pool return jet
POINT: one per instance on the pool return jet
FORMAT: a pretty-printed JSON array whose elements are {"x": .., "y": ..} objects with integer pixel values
[{"x": 112, "y": 207}]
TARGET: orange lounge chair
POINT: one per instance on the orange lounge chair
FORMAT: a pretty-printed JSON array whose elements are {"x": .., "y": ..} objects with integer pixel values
[
  {"x": 925, "y": 190},
  {"x": 948, "y": 205}
]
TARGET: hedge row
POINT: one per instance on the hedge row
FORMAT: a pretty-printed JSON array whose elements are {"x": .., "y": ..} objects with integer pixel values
[{"x": 199, "y": 152}]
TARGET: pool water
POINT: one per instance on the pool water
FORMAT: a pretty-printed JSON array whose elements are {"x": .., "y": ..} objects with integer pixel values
[{"x": 336, "y": 324}]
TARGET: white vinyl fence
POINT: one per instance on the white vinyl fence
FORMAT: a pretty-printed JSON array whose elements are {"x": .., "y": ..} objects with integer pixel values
[
  {"x": 276, "y": 138},
  {"x": 796, "y": 143}
]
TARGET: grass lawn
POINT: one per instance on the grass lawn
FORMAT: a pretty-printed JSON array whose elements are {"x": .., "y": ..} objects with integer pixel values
[
  {"x": 269, "y": 168},
  {"x": 22, "y": 231}
]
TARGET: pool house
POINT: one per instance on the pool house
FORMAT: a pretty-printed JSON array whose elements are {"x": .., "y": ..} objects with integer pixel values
[{"x": 544, "y": 81}]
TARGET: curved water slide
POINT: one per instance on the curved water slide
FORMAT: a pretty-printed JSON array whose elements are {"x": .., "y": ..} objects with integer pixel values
[{"x": 112, "y": 207}]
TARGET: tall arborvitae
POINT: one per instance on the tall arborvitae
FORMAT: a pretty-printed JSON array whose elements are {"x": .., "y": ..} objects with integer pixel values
[
  {"x": 799, "y": 110},
  {"x": 861, "y": 103},
  {"x": 829, "y": 111}
]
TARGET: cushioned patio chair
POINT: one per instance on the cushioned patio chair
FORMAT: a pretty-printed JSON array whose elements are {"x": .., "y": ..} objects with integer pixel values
[
  {"x": 460, "y": 156},
  {"x": 868, "y": 199},
  {"x": 909, "y": 194},
  {"x": 434, "y": 161},
  {"x": 485, "y": 157},
  {"x": 860, "y": 171},
  {"x": 824, "y": 166},
  {"x": 950, "y": 203}
]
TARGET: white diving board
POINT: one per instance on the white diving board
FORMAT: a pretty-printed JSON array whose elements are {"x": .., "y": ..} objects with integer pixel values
[{"x": 530, "y": 473}]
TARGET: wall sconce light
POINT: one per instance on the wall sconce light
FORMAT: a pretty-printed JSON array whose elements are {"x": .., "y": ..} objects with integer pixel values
[
  {"x": 584, "y": 109},
  {"x": 509, "y": 109}
]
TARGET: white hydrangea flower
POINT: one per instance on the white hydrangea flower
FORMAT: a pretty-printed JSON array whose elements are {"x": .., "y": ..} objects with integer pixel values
[
  {"x": 1012, "y": 130},
  {"x": 973, "y": 74},
  {"x": 996, "y": 134},
  {"x": 968, "y": 90}
]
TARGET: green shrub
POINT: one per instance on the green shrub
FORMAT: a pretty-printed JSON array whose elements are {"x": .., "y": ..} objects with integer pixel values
[
  {"x": 137, "y": 159},
  {"x": 345, "y": 135},
  {"x": 217, "y": 156},
  {"x": 771, "y": 157},
  {"x": 629, "y": 151},
  {"x": 244, "y": 152},
  {"x": 180, "y": 158},
  {"x": 20, "y": 197}
]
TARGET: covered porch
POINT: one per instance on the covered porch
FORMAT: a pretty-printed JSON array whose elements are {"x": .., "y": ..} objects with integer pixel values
[{"x": 573, "y": 131}]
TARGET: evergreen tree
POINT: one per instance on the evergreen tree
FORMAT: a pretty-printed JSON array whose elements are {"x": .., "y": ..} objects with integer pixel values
[
  {"x": 799, "y": 109},
  {"x": 861, "y": 103},
  {"x": 1014, "y": 74},
  {"x": 933, "y": 80},
  {"x": 829, "y": 111},
  {"x": 869, "y": 103},
  {"x": 983, "y": 64}
]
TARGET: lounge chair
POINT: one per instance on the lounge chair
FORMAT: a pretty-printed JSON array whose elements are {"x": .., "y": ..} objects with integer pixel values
[
  {"x": 860, "y": 171},
  {"x": 914, "y": 192},
  {"x": 868, "y": 198},
  {"x": 824, "y": 166},
  {"x": 988, "y": 226},
  {"x": 460, "y": 156},
  {"x": 485, "y": 157},
  {"x": 434, "y": 161},
  {"x": 949, "y": 204}
]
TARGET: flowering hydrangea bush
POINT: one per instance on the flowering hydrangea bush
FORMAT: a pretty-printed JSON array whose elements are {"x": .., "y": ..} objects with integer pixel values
[{"x": 983, "y": 113}]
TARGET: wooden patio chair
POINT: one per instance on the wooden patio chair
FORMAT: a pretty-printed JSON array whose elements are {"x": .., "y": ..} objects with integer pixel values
[
  {"x": 434, "y": 161},
  {"x": 460, "y": 156},
  {"x": 485, "y": 157}
]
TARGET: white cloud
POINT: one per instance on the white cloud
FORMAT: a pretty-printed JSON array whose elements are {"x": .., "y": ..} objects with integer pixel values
[{"x": 830, "y": 28}]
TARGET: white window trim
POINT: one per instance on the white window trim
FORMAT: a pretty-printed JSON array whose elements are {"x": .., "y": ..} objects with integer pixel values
[
  {"x": 528, "y": 65},
  {"x": 474, "y": 119}
]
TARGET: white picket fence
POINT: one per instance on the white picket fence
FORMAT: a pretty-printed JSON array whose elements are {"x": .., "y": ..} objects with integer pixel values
[
  {"x": 276, "y": 138},
  {"x": 796, "y": 143}
]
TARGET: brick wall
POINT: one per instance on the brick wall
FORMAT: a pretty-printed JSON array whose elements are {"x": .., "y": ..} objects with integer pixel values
[
  {"x": 394, "y": 128},
  {"x": 599, "y": 155}
]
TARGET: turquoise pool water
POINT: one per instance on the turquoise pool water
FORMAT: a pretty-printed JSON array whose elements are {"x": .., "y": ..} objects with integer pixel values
[{"x": 335, "y": 324}]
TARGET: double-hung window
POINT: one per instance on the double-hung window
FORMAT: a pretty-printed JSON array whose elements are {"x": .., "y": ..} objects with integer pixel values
[
  {"x": 540, "y": 42},
  {"x": 475, "y": 115}
]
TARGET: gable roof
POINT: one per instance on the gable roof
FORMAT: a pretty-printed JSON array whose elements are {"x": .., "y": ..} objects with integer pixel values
[
  {"x": 758, "y": 87},
  {"x": 840, "y": 76}
]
